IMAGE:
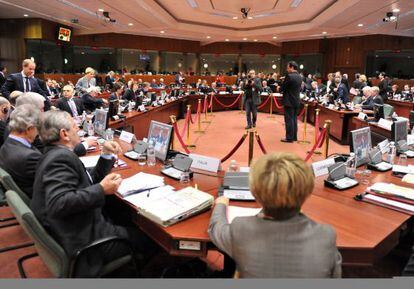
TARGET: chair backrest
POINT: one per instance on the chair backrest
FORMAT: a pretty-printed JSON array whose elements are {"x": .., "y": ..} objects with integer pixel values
[
  {"x": 388, "y": 110},
  {"x": 357, "y": 100},
  {"x": 48, "y": 249},
  {"x": 8, "y": 183}
]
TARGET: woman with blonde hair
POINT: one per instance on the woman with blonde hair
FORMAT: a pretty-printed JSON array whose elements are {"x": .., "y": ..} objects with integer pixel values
[{"x": 279, "y": 242}]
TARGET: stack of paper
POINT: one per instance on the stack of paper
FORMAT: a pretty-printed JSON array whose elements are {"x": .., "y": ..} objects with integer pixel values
[
  {"x": 91, "y": 161},
  {"x": 141, "y": 199},
  {"x": 139, "y": 182},
  {"x": 393, "y": 190},
  {"x": 234, "y": 212}
]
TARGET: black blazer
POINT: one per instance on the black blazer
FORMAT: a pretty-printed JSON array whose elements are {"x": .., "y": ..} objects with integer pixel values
[
  {"x": 21, "y": 163},
  {"x": 291, "y": 90},
  {"x": 91, "y": 103},
  {"x": 63, "y": 104},
  {"x": 109, "y": 81},
  {"x": 3, "y": 132},
  {"x": 371, "y": 101},
  {"x": 68, "y": 203},
  {"x": 130, "y": 95},
  {"x": 2, "y": 79},
  {"x": 15, "y": 82}
]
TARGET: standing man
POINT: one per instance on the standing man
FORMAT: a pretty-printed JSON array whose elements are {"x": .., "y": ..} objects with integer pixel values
[
  {"x": 87, "y": 81},
  {"x": 251, "y": 99},
  {"x": 23, "y": 81},
  {"x": 383, "y": 86},
  {"x": 291, "y": 101}
]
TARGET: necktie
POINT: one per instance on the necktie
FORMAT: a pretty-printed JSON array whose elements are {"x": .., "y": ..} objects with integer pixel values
[
  {"x": 27, "y": 88},
  {"x": 72, "y": 106}
]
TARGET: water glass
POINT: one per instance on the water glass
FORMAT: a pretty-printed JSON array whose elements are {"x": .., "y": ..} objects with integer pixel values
[
  {"x": 142, "y": 159},
  {"x": 109, "y": 134},
  {"x": 365, "y": 177},
  {"x": 402, "y": 161},
  {"x": 101, "y": 142},
  {"x": 185, "y": 177}
]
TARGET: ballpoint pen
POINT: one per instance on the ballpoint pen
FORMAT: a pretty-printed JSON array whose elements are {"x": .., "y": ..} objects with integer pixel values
[{"x": 132, "y": 192}]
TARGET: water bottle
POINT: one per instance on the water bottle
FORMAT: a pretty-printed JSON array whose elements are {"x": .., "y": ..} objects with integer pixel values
[
  {"x": 151, "y": 154},
  {"x": 91, "y": 130},
  {"x": 233, "y": 167},
  {"x": 83, "y": 116},
  {"x": 351, "y": 166},
  {"x": 392, "y": 151}
]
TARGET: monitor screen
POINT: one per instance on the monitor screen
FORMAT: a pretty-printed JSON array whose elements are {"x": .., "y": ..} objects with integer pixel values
[
  {"x": 144, "y": 57},
  {"x": 65, "y": 34},
  {"x": 399, "y": 130},
  {"x": 361, "y": 145},
  {"x": 113, "y": 108},
  {"x": 101, "y": 121},
  {"x": 160, "y": 134},
  {"x": 378, "y": 111}
]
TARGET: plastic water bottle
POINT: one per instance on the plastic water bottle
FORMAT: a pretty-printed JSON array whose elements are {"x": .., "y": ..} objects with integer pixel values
[
  {"x": 392, "y": 151},
  {"x": 91, "y": 130},
  {"x": 233, "y": 167},
  {"x": 351, "y": 166},
  {"x": 151, "y": 154},
  {"x": 83, "y": 116}
]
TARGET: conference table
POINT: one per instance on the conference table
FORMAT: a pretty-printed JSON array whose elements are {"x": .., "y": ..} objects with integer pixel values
[
  {"x": 378, "y": 133},
  {"x": 402, "y": 108},
  {"x": 365, "y": 232}
]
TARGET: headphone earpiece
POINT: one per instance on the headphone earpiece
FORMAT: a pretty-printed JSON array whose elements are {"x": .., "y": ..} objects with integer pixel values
[{"x": 5, "y": 110}]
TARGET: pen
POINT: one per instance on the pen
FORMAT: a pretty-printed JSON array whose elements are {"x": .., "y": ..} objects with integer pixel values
[{"x": 132, "y": 192}]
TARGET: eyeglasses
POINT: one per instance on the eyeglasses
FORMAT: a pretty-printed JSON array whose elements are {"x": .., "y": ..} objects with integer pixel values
[{"x": 66, "y": 90}]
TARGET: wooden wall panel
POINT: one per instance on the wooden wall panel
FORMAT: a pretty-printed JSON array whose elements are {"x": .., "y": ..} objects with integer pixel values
[
  {"x": 302, "y": 47},
  {"x": 241, "y": 48}
]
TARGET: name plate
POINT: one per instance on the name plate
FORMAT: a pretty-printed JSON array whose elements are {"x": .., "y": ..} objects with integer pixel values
[
  {"x": 385, "y": 124},
  {"x": 331, "y": 106},
  {"x": 141, "y": 108},
  {"x": 126, "y": 136},
  {"x": 237, "y": 91},
  {"x": 222, "y": 92},
  {"x": 264, "y": 94},
  {"x": 321, "y": 168},
  {"x": 362, "y": 116},
  {"x": 205, "y": 163}
]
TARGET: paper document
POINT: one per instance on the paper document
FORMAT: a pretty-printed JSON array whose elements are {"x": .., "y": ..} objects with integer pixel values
[
  {"x": 403, "y": 169},
  {"x": 345, "y": 183},
  {"x": 140, "y": 181},
  {"x": 244, "y": 169},
  {"x": 141, "y": 199},
  {"x": 390, "y": 202},
  {"x": 238, "y": 195},
  {"x": 234, "y": 212},
  {"x": 393, "y": 190},
  {"x": 384, "y": 166},
  {"x": 91, "y": 162}
]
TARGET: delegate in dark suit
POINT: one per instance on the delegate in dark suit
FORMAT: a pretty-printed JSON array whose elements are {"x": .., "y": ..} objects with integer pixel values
[
  {"x": 251, "y": 99},
  {"x": 91, "y": 103},
  {"x": 369, "y": 103},
  {"x": 291, "y": 103},
  {"x": 3, "y": 132},
  {"x": 20, "y": 161},
  {"x": 343, "y": 93},
  {"x": 63, "y": 104},
  {"x": 15, "y": 82},
  {"x": 2, "y": 79}
]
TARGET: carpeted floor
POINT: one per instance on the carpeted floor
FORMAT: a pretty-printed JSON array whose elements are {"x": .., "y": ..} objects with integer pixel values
[{"x": 221, "y": 135}]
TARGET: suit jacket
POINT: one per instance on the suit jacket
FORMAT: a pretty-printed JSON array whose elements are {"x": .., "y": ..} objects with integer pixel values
[
  {"x": 383, "y": 87},
  {"x": 109, "y": 81},
  {"x": 21, "y": 163},
  {"x": 129, "y": 94},
  {"x": 2, "y": 79},
  {"x": 294, "y": 248},
  {"x": 291, "y": 90},
  {"x": 91, "y": 103},
  {"x": 343, "y": 93},
  {"x": 3, "y": 132},
  {"x": 254, "y": 90},
  {"x": 83, "y": 84},
  {"x": 63, "y": 104},
  {"x": 371, "y": 101},
  {"x": 15, "y": 82},
  {"x": 68, "y": 202}
]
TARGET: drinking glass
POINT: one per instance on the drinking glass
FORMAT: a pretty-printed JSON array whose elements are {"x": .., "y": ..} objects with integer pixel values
[
  {"x": 109, "y": 134},
  {"x": 402, "y": 161},
  {"x": 185, "y": 177},
  {"x": 365, "y": 177},
  {"x": 142, "y": 159}
]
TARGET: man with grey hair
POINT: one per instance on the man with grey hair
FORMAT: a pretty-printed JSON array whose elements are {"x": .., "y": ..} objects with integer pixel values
[
  {"x": 4, "y": 115},
  {"x": 90, "y": 100},
  {"x": 86, "y": 81},
  {"x": 17, "y": 155},
  {"x": 68, "y": 103},
  {"x": 370, "y": 98},
  {"x": 68, "y": 200},
  {"x": 32, "y": 98}
]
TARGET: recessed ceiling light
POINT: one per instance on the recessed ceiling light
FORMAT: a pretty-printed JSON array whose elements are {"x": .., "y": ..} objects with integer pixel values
[
  {"x": 82, "y": 52},
  {"x": 162, "y": 31},
  {"x": 255, "y": 40},
  {"x": 26, "y": 15},
  {"x": 227, "y": 39},
  {"x": 244, "y": 39},
  {"x": 101, "y": 10},
  {"x": 250, "y": 17},
  {"x": 360, "y": 25},
  {"x": 130, "y": 24},
  {"x": 235, "y": 17},
  {"x": 396, "y": 10},
  {"x": 324, "y": 32},
  {"x": 274, "y": 37},
  {"x": 208, "y": 37}
]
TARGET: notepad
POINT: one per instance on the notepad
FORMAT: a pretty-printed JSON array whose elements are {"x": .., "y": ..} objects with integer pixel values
[
  {"x": 91, "y": 161},
  {"x": 391, "y": 203},
  {"x": 140, "y": 181},
  {"x": 234, "y": 212},
  {"x": 394, "y": 190}
]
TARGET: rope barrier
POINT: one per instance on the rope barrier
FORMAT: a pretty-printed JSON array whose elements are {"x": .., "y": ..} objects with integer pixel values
[
  {"x": 179, "y": 138},
  {"x": 211, "y": 100},
  {"x": 205, "y": 105},
  {"x": 185, "y": 124},
  {"x": 317, "y": 126},
  {"x": 318, "y": 144},
  {"x": 277, "y": 104},
  {"x": 198, "y": 112},
  {"x": 264, "y": 103},
  {"x": 227, "y": 106},
  {"x": 259, "y": 141},
  {"x": 301, "y": 113},
  {"x": 234, "y": 149}
]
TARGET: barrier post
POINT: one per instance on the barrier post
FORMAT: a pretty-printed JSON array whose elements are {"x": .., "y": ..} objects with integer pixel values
[
  {"x": 317, "y": 130},
  {"x": 189, "y": 145},
  {"x": 205, "y": 113},
  {"x": 251, "y": 145},
  {"x": 199, "y": 130},
  {"x": 271, "y": 106},
  {"x": 241, "y": 104},
  {"x": 173, "y": 120},
  {"x": 305, "y": 121},
  {"x": 328, "y": 128},
  {"x": 211, "y": 109}
]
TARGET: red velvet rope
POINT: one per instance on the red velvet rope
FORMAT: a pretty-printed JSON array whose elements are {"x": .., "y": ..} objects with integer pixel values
[
  {"x": 317, "y": 126},
  {"x": 259, "y": 141},
  {"x": 234, "y": 149},
  {"x": 227, "y": 106},
  {"x": 211, "y": 101},
  {"x": 198, "y": 112},
  {"x": 318, "y": 144},
  {"x": 179, "y": 138},
  {"x": 187, "y": 119},
  {"x": 205, "y": 105},
  {"x": 276, "y": 103},
  {"x": 301, "y": 113},
  {"x": 264, "y": 103}
]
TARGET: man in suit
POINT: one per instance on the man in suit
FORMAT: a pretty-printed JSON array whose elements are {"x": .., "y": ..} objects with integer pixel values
[
  {"x": 86, "y": 81},
  {"x": 370, "y": 98},
  {"x": 110, "y": 79},
  {"x": 68, "y": 200},
  {"x": 341, "y": 93},
  {"x": 70, "y": 104},
  {"x": 17, "y": 155},
  {"x": 251, "y": 98},
  {"x": 23, "y": 81},
  {"x": 3, "y": 71},
  {"x": 291, "y": 101},
  {"x": 91, "y": 101},
  {"x": 4, "y": 115}
]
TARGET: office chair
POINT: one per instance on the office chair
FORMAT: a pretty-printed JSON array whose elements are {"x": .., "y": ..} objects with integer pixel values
[
  {"x": 357, "y": 99},
  {"x": 54, "y": 256},
  {"x": 388, "y": 110}
]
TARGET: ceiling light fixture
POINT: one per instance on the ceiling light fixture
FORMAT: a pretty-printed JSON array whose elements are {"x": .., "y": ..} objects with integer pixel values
[
  {"x": 295, "y": 3},
  {"x": 396, "y": 10},
  {"x": 390, "y": 17},
  {"x": 130, "y": 24},
  {"x": 274, "y": 37},
  {"x": 244, "y": 39},
  {"x": 26, "y": 15},
  {"x": 250, "y": 17},
  {"x": 101, "y": 10},
  {"x": 235, "y": 18},
  {"x": 324, "y": 32},
  {"x": 245, "y": 12},
  {"x": 162, "y": 31},
  {"x": 360, "y": 25},
  {"x": 255, "y": 40},
  {"x": 208, "y": 37},
  {"x": 227, "y": 39},
  {"x": 192, "y": 3}
]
